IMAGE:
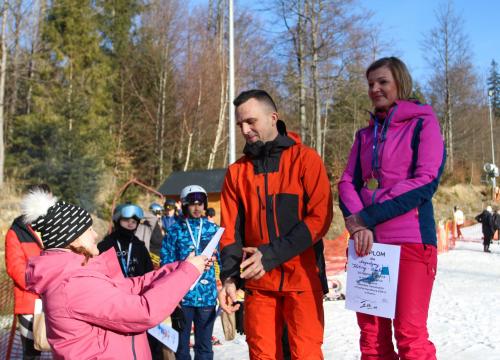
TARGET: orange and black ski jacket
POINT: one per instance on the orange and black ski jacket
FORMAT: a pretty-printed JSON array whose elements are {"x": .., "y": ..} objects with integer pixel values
[
  {"x": 277, "y": 198},
  {"x": 21, "y": 243}
]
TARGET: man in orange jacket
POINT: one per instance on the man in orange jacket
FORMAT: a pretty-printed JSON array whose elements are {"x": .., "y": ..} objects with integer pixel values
[
  {"x": 21, "y": 243},
  {"x": 276, "y": 206}
]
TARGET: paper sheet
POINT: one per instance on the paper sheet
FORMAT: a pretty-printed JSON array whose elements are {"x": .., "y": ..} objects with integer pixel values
[
  {"x": 167, "y": 335},
  {"x": 372, "y": 280},
  {"x": 209, "y": 249}
]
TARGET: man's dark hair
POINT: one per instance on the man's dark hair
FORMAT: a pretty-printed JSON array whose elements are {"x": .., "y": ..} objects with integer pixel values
[
  {"x": 210, "y": 212},
  {"x": 257, "y": 94}
]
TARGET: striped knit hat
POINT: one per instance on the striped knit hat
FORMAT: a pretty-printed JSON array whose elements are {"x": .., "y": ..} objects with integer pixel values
[{"x": 58, "y": 222}]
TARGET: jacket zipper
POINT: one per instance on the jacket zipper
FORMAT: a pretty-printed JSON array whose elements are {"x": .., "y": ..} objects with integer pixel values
[
  {"x": 133, "y": 347},
  {"x": 282, "y": 278},
  {"x": 261, "y": 207},
  {"x": 282, "y": 275},
  {"x": 373, "y": 196},
  {"x": 275, "y": 217}
]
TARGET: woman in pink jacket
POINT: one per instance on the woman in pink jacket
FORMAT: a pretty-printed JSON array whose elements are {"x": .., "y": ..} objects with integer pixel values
[
  {"x": 386, "y": 196},
  {"x": 91, "y": 310}
]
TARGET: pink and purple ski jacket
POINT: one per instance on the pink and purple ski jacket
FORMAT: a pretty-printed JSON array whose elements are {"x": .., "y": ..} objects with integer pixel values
[
  {"x": 93, "y": 312},
  {"x": 409, "y": 159}
]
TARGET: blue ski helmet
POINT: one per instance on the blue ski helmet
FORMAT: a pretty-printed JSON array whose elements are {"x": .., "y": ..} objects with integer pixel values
[{"x": 127, "y": 211}]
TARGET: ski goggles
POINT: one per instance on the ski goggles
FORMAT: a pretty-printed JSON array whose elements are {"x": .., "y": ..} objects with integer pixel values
[
  {"x": 128, "y": 211},
  {"x": 156, "y": 209},
  {"x": 195, "y": 198}
]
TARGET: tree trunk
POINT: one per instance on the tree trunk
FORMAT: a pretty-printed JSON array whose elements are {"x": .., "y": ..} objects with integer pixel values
[
  {"x": 3, "y": 66},
  {"x": 223, "y": 93},
  {"x": 34, "y": 51},
  {"x": 315, "y": 15},
  {"x": 15, "y": 73},
  {"x": 193, "y": 122},
  {"x": 121, "y": 126},
  {"x": 325, "y": 128},
  {"x": 301, "y": 66},
  {"x": 190, "y": 142},
  {"x": 449, "y": 121},
  {"x": 161, "y": 139}
]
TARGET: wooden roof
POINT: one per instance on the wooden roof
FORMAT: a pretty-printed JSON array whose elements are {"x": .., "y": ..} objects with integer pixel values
[{"x": 210, "y": 180}]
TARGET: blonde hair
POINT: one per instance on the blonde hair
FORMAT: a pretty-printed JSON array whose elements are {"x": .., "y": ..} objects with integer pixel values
[
  {"x": 81, "y": 251},
  {"x": 400, "y": 73}
]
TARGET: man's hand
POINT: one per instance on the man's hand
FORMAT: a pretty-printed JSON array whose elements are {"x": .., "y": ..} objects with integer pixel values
[
  {"x": 252, "y": 266},
  {"x": 363, "y": 241},
  {"x": 227, "y": 297}
]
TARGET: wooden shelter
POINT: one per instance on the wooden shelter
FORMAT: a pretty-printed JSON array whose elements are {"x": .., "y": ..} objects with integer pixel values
[{"x": 210, "y": 180}]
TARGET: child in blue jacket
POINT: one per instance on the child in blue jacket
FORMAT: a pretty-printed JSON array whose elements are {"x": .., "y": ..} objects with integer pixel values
[{"x": 190, "y": 234}]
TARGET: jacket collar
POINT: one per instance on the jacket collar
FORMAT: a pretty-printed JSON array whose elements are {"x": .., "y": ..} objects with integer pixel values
[
  {"x": 403, "y": 111},
  {"x": 270, "y": 149},
  {"x": 24, "y": 232}
]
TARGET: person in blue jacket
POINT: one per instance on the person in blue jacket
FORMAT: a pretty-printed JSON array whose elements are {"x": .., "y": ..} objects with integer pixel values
[{"x": 191, "y": 233}]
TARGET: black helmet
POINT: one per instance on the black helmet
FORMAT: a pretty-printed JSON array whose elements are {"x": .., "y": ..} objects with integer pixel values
[{"x": 169, "y": 204}]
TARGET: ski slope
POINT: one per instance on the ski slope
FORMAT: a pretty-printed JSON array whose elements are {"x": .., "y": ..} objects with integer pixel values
[{"x": 464, "y": 318}]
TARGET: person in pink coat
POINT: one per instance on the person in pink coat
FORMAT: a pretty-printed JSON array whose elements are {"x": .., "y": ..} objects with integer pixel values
[
  {"x": 91, "y": 310},
  {"x": 386, "y": 195}
]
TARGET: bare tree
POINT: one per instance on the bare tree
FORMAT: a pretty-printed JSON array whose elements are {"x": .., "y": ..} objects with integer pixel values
[
  {"x": 223, "y": 95},
  {"x": 294, "y": 15},
  {"x": 315, "y": 19},
  {"x": 447, "y": 51},
  {"x": 35, "y": 47},
  {"x": 16, "y": 26},
  {"x": 3, "y": 66}
]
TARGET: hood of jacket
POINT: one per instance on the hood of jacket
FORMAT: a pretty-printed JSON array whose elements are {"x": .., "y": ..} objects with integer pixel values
[
  {"x": 266, "y": 155},
  {"x": 405, "y": 110},
  {"x": 260, "y": 149},
  {"x": 48, "y": 270},
  {"x": 24, "y": 232}
]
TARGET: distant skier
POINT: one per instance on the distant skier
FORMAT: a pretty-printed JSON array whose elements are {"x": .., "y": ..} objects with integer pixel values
[{"x": 488, "y": 227}]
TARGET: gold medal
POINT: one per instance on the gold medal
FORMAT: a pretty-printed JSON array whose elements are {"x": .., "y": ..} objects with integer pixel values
[{"x": 372, "y": 184}]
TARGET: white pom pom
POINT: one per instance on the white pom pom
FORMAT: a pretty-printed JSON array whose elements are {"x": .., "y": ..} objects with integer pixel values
[{"x": 35, "y": 204}]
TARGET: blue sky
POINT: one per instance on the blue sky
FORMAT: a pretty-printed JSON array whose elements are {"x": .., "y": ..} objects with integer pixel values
[{"x": 404, "y": 23}]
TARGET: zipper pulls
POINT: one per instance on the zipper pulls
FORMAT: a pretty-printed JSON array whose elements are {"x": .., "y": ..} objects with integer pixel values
[
  {"x": 261, "y": 203},
  {"x": 261, "y": 207}
]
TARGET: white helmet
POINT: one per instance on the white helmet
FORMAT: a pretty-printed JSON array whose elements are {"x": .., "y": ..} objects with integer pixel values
[{"x": 194, "y": 193}]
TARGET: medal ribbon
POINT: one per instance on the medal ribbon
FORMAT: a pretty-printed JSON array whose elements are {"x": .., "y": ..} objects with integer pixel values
[
  {"x": 122, "y": 258},
  {"x": 377, "y": 143},
  {"x": 196, "y": 242}
]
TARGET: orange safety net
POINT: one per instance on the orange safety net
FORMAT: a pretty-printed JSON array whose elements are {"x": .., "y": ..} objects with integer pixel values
[{"x": 335, "y": 250}]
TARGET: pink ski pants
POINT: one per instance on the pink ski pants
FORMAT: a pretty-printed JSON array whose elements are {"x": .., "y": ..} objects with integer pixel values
[{"x": 417, "y": 270}]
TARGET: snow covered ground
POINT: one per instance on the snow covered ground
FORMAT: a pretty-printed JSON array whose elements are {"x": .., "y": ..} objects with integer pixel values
[{"x": 464, "y": 318}]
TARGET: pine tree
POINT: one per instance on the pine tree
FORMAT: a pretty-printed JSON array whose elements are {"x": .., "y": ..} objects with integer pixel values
[
  {"x": 494, "y": 88},
  {"x": 65, "y": 140},
  {"x": 116, "y": 25}
]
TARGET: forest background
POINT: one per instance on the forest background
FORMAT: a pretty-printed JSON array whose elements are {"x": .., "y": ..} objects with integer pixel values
[{"x": 93, "y": 93}]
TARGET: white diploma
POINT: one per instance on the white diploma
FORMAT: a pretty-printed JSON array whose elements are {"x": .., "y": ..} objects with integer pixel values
[
  {"x": 209, "y": 249},
  {"x": 372, "y": 280},
  {"x": 166, "y": 335}
]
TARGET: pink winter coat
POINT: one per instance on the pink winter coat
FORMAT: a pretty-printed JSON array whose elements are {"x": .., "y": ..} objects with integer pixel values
[
  {"x": 411, "y": 156},
  {"x": 93, "y": 312}
]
